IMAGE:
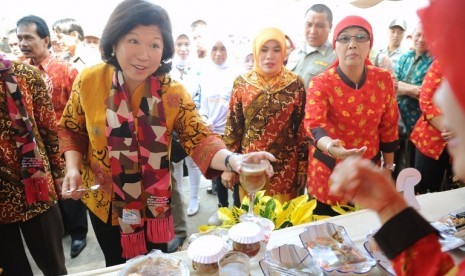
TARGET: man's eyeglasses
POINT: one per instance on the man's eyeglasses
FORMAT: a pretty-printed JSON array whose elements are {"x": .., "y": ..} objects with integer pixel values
[{"x": 359, "y": 38}]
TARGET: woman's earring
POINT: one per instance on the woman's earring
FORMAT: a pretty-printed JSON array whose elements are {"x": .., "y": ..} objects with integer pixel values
[{"x": 112, "y": 54}]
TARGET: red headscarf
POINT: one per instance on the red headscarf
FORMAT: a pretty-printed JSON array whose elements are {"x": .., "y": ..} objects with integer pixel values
[
  {"x": 352, "y": 21},
  {"x": 443, "y": 23}
]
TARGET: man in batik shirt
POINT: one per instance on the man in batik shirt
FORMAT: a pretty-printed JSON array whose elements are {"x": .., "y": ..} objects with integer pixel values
[
  {"x": 35, "y": 42},
  {"x": 31, "y": 173},
  {"x": 410, "y": 71}
]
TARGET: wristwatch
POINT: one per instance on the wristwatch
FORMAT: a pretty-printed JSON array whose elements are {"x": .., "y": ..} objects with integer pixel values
[{"x": 390, "y": 167}]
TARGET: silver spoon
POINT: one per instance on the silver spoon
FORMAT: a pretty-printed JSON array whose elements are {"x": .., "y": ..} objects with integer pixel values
[{"x": 91, "y": 188}]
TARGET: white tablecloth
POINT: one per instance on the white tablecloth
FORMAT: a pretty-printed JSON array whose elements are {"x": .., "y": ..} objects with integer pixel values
[{"x": 357, "y": 224}]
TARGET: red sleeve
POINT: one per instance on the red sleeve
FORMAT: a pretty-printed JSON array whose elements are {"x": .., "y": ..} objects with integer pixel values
[
  {"x": 388, "y": 128},
  {"x": 204, "y": 152},
  {"x": 430, "y": 84},
  {"x": 316, "y": 108},
  {"x": 423, "y": 258},
  {"x": 71, "y": 140}
]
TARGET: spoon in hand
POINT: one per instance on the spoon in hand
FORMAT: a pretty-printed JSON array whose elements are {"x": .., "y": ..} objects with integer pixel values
[{"x": 91, "y": 188}]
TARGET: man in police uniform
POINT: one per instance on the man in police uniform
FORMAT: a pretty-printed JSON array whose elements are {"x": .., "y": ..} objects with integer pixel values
[{"x": 316, "y": 53}]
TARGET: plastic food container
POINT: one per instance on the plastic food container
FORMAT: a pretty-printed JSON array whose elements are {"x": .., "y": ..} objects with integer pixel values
[
  {"x": 205, "y": 252},
  {"x": 246, "y": 237}
]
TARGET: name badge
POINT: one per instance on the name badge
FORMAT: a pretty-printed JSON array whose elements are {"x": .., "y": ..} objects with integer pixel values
[
  {"x": 322, "y": 63},
  {"x": 131, "y": 216}
]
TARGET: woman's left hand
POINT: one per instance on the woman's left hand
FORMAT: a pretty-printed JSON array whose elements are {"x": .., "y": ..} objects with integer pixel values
[
  {"x": 358, "y": 180},
  {"x": 337, "y": 150},
  {"x": 447, "y": 135},
  {"x": 229, "y": 179}
]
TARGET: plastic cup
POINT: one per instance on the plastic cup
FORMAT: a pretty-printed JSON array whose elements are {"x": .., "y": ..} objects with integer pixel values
[{"x": 234, "y": 263}]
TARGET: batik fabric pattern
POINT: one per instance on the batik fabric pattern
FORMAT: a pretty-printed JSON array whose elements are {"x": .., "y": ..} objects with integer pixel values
[
  {"x": 270, "y": 119},
  {"x": 83, "y": 129},
  {"x": 32, "y": 165},
  {"x": 38, "y": 106},
  {"x": 59, "y": 77},
  {"x": 364, "y": 117}
]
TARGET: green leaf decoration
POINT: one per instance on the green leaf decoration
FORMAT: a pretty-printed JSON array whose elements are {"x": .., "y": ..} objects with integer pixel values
[{"x": 294, "y": 212}]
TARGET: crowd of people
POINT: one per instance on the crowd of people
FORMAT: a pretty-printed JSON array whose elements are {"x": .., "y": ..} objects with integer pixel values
[{"x": 135, "y": 108}]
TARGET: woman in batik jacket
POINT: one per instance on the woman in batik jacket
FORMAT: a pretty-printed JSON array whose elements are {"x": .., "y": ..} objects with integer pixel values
[{"x": 265, "y": 114}]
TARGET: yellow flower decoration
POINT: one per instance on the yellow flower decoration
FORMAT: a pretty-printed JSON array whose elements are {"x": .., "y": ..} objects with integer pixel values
[{"x": 294, "y": 212}]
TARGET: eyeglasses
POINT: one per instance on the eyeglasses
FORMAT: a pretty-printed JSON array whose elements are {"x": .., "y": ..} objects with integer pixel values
[{"x": 358, "y": 38}]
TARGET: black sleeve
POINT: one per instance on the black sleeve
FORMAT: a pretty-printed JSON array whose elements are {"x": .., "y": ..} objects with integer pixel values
[{"x": 402, "y": 231}]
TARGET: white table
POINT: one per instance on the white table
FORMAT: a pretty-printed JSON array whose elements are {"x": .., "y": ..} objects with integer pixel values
[{"x": 357, "y": 224}]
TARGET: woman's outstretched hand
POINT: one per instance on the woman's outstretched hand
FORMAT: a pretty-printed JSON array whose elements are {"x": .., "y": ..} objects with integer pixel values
[
  {"x": 337, "y": 150},
  {"x": 360, "y": 181}
]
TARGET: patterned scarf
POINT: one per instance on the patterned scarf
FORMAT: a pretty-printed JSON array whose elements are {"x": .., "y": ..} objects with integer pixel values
[
  {"x": 272, "y": 84},
  {"x": 32, "y": 164},
  {"x": 140, "y": 166}
]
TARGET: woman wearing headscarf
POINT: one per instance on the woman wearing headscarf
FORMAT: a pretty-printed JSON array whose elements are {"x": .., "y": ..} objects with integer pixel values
[
  {"x": 266, "y": 112},
  {"x": 405, "y": 237},
  {"x": 188, "y": 76},
  {"x": 217, "y": 81},
  {"x": 351, "y": 111}
]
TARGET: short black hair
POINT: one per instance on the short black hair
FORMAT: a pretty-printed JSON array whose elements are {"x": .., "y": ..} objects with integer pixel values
[
  {"x": 130, "y": 14},
  {"x": 67, "y": 26},
  {"x": 321, "y": 8},
  {"x": 41, "y": 26}
]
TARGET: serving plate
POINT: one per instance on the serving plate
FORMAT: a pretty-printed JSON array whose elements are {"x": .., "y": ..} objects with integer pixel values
[
  {"x": 155, "y": 263},
  {"x": 289, "y": 259},
  {"x": 333, "y": 250},
  {"x": 372, "y": 248},
  {"x": 448, "y": 237}
]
